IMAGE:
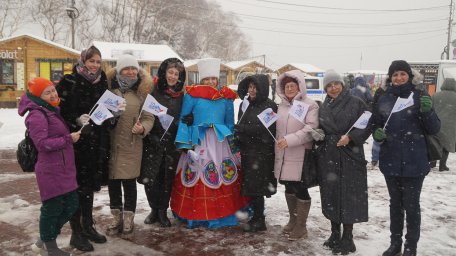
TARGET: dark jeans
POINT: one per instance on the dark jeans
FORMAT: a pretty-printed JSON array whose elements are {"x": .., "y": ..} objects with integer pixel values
[
  {"x": 257, "y": 203},
  {"x": 115, "y": 194},
  {"x": 296, "y": 188},
  {"x": 405, "y": 197},
  {"x": 159, "y": 192},
  {"x": 55, "y": 212}
]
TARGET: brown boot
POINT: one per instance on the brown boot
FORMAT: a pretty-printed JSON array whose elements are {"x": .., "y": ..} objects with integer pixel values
[
  {"x": 291, "y": 202},
  {"x": 300, "y": 229},
  {"x": 116, "y": 225}
]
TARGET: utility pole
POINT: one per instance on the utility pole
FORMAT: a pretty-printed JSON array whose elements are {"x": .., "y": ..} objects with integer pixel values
[
  {"x": 450, "y": 21},
  {"x": 73, "y": 13}
]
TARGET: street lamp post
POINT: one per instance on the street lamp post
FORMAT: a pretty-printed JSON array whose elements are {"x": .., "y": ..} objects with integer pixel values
[{"x": 73, "y": 13}]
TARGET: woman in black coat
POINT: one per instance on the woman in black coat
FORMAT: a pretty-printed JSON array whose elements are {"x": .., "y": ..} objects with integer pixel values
[
  {"x": 341, "y": 163},
  {"x": 256, "y": 147},
  {"x": 79, "y": 92},
  {"x": 403, "y": 153},
  {"x": 160, "y": 157}
]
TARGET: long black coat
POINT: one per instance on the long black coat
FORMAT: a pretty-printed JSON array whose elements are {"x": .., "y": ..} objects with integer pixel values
[
  {"x": 342, "y": 170},
  {"x": 78, "y": 96},
  {"x": 162, "y": 154},
  {"x": 255, "y": 142}
]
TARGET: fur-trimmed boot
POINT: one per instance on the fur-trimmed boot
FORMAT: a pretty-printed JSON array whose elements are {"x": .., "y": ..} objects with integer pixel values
[
  {"x": 128, "y": 224},
  {"x": 291, "y": 203},
  {"x": 300, "y": 229},
  {"x": 116, "y": 225}
]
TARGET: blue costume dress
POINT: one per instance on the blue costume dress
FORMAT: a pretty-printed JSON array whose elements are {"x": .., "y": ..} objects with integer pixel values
[{"x": 206, "y": 189}]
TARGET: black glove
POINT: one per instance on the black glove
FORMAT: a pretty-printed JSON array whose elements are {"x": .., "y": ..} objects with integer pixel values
[{"x": 188, "y": 119}]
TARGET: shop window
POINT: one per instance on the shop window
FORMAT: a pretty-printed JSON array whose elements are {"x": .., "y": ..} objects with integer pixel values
[
  {"x": 153, "y": 71},
  {"x": 56, "y": 71},
  {"x": 6, "y": 71},
  {"x": 67, "y": 68},
  {"x": 223, "y": 78},
  {"x": 192, "y": 78}
]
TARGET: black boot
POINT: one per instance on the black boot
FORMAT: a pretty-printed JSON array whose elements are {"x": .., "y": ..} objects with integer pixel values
[
  {"x": 442, "y": 165},
  {"x": 77, "y": 240},
  {"x": 88, "y": 227},
  {"x": 346, "y": 244},
  {"x": 334, "y": 239},
  {"x": 152, "y": 217},
  {"x": 393, "y": 250},
  {"x": 257, "y": 222},
  {"x": 409, "y": 252},
  {"x": 163, "y": 219}
]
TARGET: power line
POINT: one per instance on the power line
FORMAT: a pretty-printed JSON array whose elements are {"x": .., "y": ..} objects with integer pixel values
[
  {"x": 250, "y": 16},
  {"x": 355, "y": 9}
]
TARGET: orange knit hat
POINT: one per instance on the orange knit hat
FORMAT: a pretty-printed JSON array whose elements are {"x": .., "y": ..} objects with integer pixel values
[{"x": 37, "y": 85}]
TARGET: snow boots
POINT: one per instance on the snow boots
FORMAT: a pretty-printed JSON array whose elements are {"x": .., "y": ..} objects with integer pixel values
[
  {"x": 300, "y": 228},
  {"x": 163, "y": 218},
  {"x": 53, "y": 250},
  {"x": 394, "y": 250},
  {"x": 346, "y": 244},
  {"x": 334, "y": 239},
  {"x": 291, "y": 203},
  {"x": 128, "y": 224},
  {"x": 257, "y": 222},
  {"x": 116, "y": 225},
  {"x": 77, "y": 240},
  {"x": 152, "y": 217}
]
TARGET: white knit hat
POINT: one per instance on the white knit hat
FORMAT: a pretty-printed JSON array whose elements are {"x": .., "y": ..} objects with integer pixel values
[
  {"x": 125, "y": 61},
  {"x": 209, "y": 67}
]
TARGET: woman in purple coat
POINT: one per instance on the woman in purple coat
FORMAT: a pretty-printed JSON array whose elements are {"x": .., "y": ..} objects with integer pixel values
[{"x": 55, "y": 168}]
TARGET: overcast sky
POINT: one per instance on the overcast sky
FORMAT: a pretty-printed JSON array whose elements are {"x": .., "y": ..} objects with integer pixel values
[{"x": 343, "y": 35}]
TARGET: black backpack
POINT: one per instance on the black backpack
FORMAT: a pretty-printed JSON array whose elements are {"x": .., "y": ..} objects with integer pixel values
[{"x": 26, "y": 153}]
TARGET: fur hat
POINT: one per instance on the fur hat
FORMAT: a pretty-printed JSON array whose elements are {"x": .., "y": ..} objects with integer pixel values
[
  {"x": 332, "y": 76},
  {"x": 125, "y": 61},
  {"x": 209, "y": 67},
  {"x": 37, "y": 85},
  {"x": 400, "y": 65}
]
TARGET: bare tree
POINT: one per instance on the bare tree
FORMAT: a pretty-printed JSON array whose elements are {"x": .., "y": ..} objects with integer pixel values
[
  {"x": 51, "y": 16},
  {"x": 11, "y": 16}
]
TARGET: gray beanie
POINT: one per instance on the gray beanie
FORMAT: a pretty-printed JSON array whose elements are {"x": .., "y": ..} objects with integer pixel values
[
  {"x": 125, "y": 61},
  {"x": 331, "y": 76}
]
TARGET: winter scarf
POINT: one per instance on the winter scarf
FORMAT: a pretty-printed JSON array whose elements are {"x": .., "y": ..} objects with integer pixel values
[
  {"x": 125, "y": 82},
  {"x": 42, "y": 102},
  {"x": 402, "y": 91}
]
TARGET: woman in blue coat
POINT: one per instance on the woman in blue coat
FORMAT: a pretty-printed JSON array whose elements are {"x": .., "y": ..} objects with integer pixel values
[{"x": 403, "y": 153}]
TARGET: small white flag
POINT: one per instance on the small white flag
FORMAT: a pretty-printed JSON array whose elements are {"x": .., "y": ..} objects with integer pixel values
[
  {"x": 403, "y": 103},
  {"x": 166, "y": 121},
  {"x": 268, "y": 117},
  {"x": 245, "y": 103},
  {"x": 110, "y": 100},
  {"x": 151, "y": 105},
  {"x": 299, "y": 110},
  {"x": 100, "y": 114},
  {"x": 363, "y": 120}
]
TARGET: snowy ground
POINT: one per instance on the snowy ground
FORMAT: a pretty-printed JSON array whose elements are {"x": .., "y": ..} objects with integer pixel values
[{"x": 438, "y": 232}]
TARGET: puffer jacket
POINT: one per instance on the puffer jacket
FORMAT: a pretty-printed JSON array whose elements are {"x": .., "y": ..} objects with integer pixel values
[
  {"x": 55, "y": 169},
  {"x": 289, "y": 161}
]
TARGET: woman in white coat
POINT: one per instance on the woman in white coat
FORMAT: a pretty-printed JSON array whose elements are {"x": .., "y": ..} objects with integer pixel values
[{"x": 293, "y": 137}]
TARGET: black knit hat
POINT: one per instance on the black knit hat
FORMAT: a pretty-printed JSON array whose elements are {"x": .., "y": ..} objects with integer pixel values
[{"x": 400, "y": 65}]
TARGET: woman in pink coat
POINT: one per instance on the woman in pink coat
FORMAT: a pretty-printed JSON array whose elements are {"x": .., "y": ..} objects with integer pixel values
[{"x": 293, "y": 137}]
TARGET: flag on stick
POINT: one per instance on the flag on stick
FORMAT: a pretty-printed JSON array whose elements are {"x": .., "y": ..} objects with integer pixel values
[
  {"x": 299, "y": 110},
  {"x": 110, "y": 100},
  {"x": 151, "y": 105},
  {"x": 100, "y": 114}
]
